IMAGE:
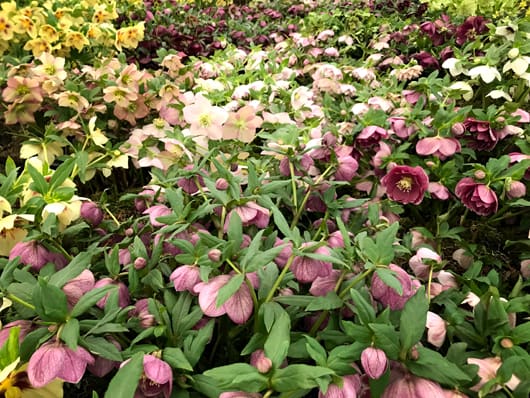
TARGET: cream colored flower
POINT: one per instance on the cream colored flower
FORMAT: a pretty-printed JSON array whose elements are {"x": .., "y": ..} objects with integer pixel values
[
  {"x": 454, "y": 65},
  {"x": 487, "y": 73}
]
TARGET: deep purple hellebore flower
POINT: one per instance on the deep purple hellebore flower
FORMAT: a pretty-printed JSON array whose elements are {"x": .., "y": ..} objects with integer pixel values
[
  {"x": 477, "y": 197},
  {"x": 55, "y": 360},
  {"x": 406, "y": 184}
]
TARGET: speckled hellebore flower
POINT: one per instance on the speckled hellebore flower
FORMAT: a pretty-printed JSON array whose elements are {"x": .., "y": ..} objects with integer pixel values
[
  {"x": 185, "y": 277},
  {"x": 307, "y": 269},
  {"x": 406, "y": 184},
  {"x": 374, "y": 362},
  {"x": 56, "y": 360},
  {"x": 387, "y": 295},
  {"x": 477, "y": 197},
  {"x": 350, "y": 386},
  {"x": 156, "y": 380}
]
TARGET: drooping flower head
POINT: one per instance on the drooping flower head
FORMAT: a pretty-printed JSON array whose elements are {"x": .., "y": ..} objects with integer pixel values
[
  {"x": 406, "y": 184},
  {"x": 477, "y": 197}
]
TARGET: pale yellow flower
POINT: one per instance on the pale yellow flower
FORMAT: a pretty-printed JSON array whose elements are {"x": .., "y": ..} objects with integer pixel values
[
  {"x": 48, "y": 33},
  {"x": 6, "y": 27},
  {"x": 66, "y": 212},
  {"x": 72, "y": 99},
  {"x": 96, "y": 135},
  {"x": 14, "y": 383},
  {"x": 75, "y": 39},
  {"x": 38, "y": 46},
  {"x": 45, "y": 151}
]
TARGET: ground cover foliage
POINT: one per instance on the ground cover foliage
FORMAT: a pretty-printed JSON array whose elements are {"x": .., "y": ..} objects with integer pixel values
[{"x": 275, "y": 199}]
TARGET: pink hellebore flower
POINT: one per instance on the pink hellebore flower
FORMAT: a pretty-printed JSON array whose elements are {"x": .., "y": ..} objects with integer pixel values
[
  {"x": 406, "y": 184},
  {"x": 205, "y": 119},
  {"x": 25, "y": 328},
  {"x": 251, "y": 214},
  {"x": 37, "y": 256},
  {"x": 371, "y": 135},
  {"x": 185, "y": 278},
  {"x": 438, "y": 191},
  {"x": 55, "y": 360},
  {"x": 487, "y": 371},
  {"x": 103, "y": 366},
  {"x": 346, "y": 169},
  {"x": 239, "y": 307},
  {"x": 156, "y": 380},
  {"x": 322, "y": 285},
  {"x": 351, "y": 385},
  {"x": 390, "y": 297},
  {"x": 436, "y": 329},
  {"x": 477, "y": 197},
  {"x": 77, "y": 287},
  {"x": 374, "y": 362},
  {"x": 141, "y": 311},
  {"x": 123, "y": 292},
  {"x": 155, "y": 212},
  {"x": 92, "y": 213},
  {"x": 441, "y": 147},
  {"x": 242, "y": 125},
  {"x": 409, "y": 386},
  {"x": 420, "y": 268},
  {"x": 399, "y": 127},
  {"x": 306, "y": 269},
  {"x": 260, "y": 361}
]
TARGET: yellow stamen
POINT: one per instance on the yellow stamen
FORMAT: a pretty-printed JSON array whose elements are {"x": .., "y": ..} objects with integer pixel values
[{"x": 405, "y": 184}]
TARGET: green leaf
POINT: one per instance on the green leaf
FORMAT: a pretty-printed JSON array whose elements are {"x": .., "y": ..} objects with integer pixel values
[
  {"x": 316, "y": 351},
  {"x": 238, "y": 376},
  {"x": 267, "y": 276},
  {"x": 431, "y": 365},
  {"x": 277, "y": 344},
  {"x": 235, "y": 229},
  {"x": 102, "y": 347},
  {"x": 176, "y": 358},
  {"x": 9, "y": 351},
  {"x": 298, "y": 376},
  {"x": 32, "y": 341},
  {"x": 50, "y": 302},
  {"x": 60, "y": 175},
  {"x": 413, "y": 319},
  {"x": 194, "y": 344},
  {"x": 124, "y": 383},
  {"x": 70, "y": 333},
  {"x": 521, "y": 333},
  {"x": 81, "y": 160},
  {"x": 77, "y": 265},
  {"x": 386, "y": 338},
  {"x": 262, "y": 258},
  {"x": 364, "y": 310},
  {"x": 39, "y": 184},
  {"x": 229, "y": 289},
  {"x": 389, "y": 278},
  {"x": 384, "y": 241},
  {"x": 328, "y": 302},
  {"x": 88, "y": 300}
]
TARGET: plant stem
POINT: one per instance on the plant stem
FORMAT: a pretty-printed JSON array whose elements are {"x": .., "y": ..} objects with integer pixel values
[
  {"x": 293, "y": 187},
  {"x": 12, "y": 297},
  {"x": 355, "y": 281},
  {"x": 280, "y": 278}
]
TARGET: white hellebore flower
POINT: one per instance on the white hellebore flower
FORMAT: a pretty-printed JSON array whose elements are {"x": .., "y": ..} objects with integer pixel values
[
  {"x": 487, "y": 73},
  {"x": 519, "y": 65},
  {"x": 96, "y": 135},
  {"x": 496, "y": 94},
  {"x": 454, "y": 65},
  {"x": 462, "y": 87}
]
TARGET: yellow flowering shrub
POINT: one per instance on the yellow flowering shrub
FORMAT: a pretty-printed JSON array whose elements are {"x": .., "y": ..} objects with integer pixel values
[{"x": 61, "y": 26}]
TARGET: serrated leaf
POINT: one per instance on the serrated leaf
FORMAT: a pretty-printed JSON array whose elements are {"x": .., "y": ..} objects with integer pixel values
[
  {"x": 277, "y": 343},
  {"x": 364, "y": 310},
  {"x": 315, "y": 350},
  {"x": 330, "y": 301},
  {"x": 50, "y": 302},
  {"x": 77, "y": 265},
  {"x": 298, "y": 376},
  {"x": 176, "y": 358}
]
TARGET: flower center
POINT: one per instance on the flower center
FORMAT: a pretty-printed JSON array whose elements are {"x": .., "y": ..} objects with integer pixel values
[
  {"x": 405, "y": 184},
  {"x": 205, "y": 120}
]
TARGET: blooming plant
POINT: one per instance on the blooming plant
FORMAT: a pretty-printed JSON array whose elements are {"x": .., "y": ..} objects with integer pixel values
[{"x": 339, "y": 210}]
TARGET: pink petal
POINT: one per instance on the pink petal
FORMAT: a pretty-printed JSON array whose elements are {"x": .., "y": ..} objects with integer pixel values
[
  {"x": 239, "y": 307},
  {"x": 208, "y": 295},
  {"x": 74, "y": 364},
  {"x": 157, "y": 370},
  {"x": 45, "y": 364}
]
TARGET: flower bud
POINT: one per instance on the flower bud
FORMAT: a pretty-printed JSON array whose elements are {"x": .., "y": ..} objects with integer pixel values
[
  {"x": 513, "y": 53},
  {"x": 260, "y": 361},
  {"x": 479, "y": 174},
  {"x": 464, "y": 260},
  {"x": 221, "y": 184},
  {"x": 92, "y": 213},
  {"x": 506, "y": 343},
  {"x": 525, "y": 269},
  {"x": 516, "y": 189},
  {"x": 374, "y": 362},
  {"x": 214, "y": 255},
  {"x": 140, "y": 263}
]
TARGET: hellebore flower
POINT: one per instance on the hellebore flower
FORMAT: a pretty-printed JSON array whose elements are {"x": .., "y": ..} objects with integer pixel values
[
  {"x": 92, "y": 213},
  {"x": 480, "y": 134},
  {"x": 55, "y": 360},
  {"x": 307, "y": 269},
  {"x": 123, "y": 292},
  {"x": 374, "y": 362},
  {"x": 371, "y": 135},
  {"x": 406, "y": 184},
  {"x": 416, "y": 262},
  {"x": 37, "y": 256},
  {"x": 185, "y": 277},
  {"x": 409, "y": 386},
  {"x": 487, "y": 371},
  {"x": 436, "y": 329},
  {"x": 477, "y": 197},
  {"x": 441, "y": 147},
  {"x": 77, "y": 287},
  {"x": 251, "y": 214},
  {"x": 103, "y": 366},
  {"x": 351, "y": 384},
  {"x": 322, "y": 285},
  {"x": 156, "y": 380},
  {"x": 155, "y": 212},
  {"x": 239, "y": 307},
  {"x": 390, "y": 297},
  {"x": 515, "y": 189},
  {"x": 141, "y": 311},
  {"x": 25, "y": 328},
  {"x": 260, "y": 361}
]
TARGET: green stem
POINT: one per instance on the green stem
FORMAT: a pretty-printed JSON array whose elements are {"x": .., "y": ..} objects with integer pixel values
[
  {"x": 293, "y": 187},
  {"x": 306, "y": 197},
  {"x": 112, "y": 216},
  {"x": 268, "y": 393},
  {"x": 233, "y": 266},
  {"x": 429, "y": 284},
  {"x": 355, "y": 281},
  {"x": 12, "y": 297},
  {"x": 280, "y": 278}
]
